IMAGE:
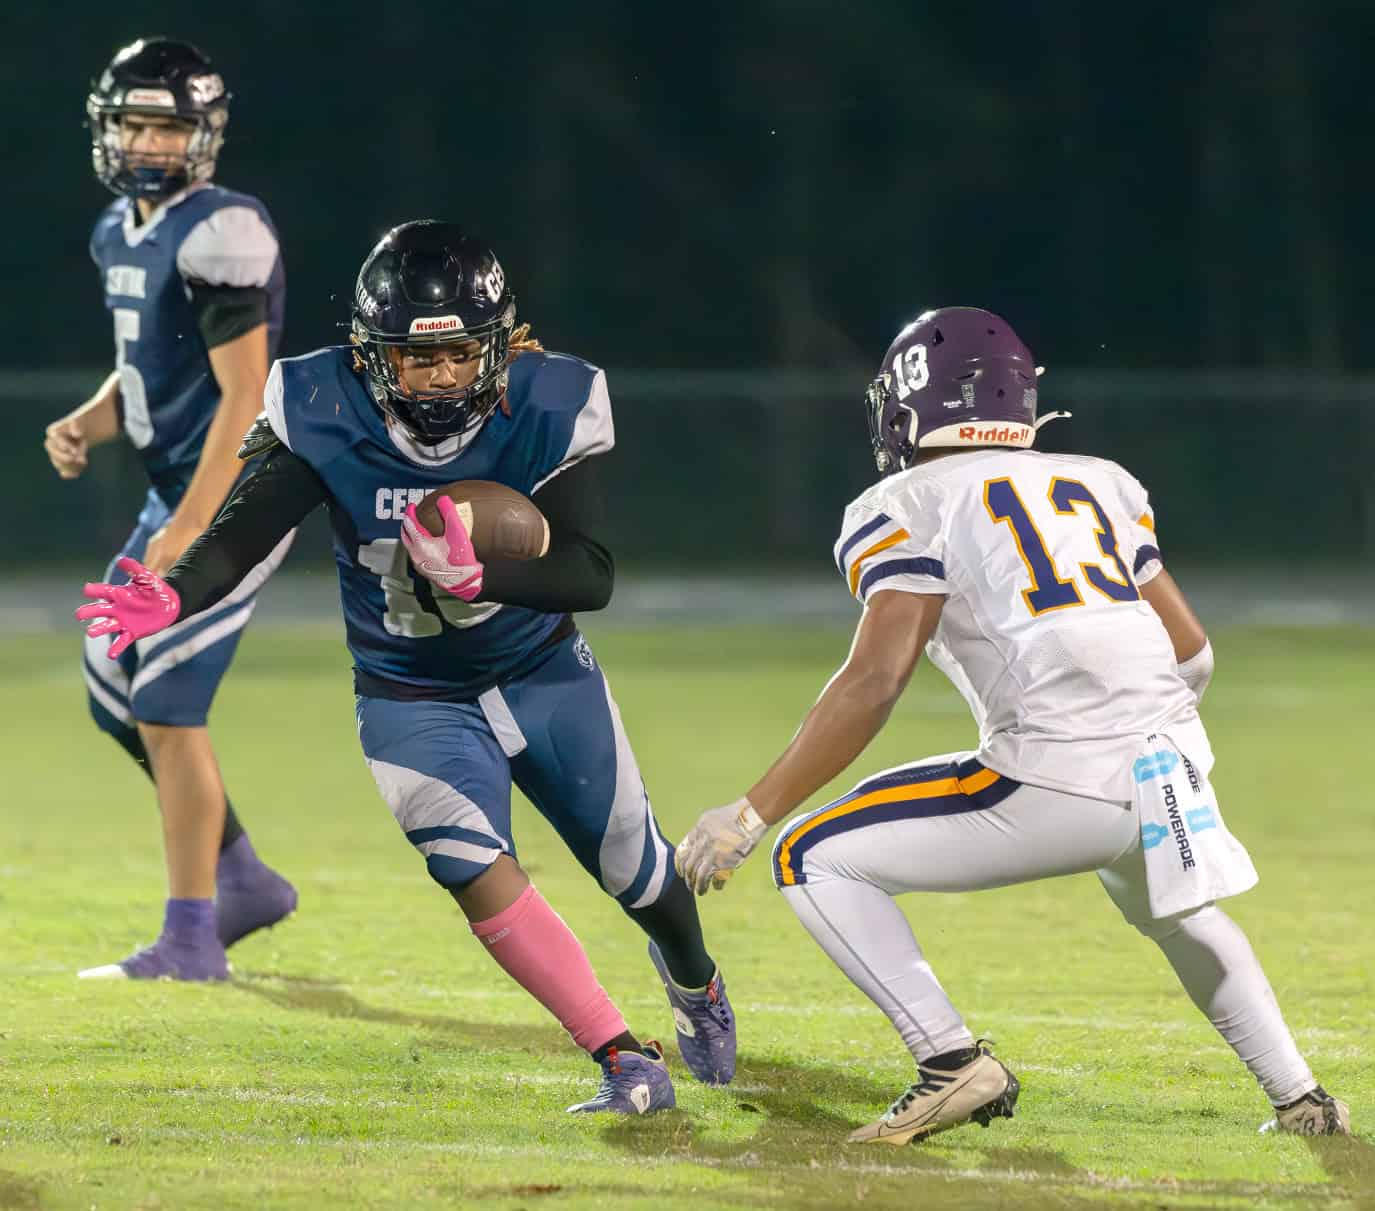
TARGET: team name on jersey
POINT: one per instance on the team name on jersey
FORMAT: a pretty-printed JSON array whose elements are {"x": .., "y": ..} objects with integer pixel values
[
  {"x": 391, "y": 502},
  {"x": 125, "y": 279}
]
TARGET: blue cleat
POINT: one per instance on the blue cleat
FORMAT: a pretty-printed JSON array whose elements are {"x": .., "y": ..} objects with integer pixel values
[
  {"x": 249, "y": 894},
  {"x": 705, "y": 1023},
  {"x": 631, "y": 1084},
  {"x": 167, "y": 960}
]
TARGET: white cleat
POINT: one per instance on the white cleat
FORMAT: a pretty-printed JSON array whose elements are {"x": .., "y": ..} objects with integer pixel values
[
  {"x": 110, "y": 971},
  {"x": 167, "y": 960},
  {"x": 1316, "y": 1113},
  {"x": 980, "y": 1091}
]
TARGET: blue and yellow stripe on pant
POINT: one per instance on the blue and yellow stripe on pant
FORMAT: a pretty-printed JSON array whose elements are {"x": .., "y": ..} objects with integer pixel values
[{"x": 909, "y": 793}]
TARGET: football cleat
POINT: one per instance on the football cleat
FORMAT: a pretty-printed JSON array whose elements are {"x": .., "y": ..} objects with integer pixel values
[
  {"x": 249, "y": 894},
  {"x": 981, "y": 1091},
  {"x": 705, "y": 1023},
  {"x": 166, "y": 960},
  {"x": 1316, "y": 1113},
  {"x": 631, "y": 1084}
]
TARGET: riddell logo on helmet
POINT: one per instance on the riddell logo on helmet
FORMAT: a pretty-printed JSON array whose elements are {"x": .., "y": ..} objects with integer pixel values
[
  {"x": 440, "y": 323},
  {"x": 160, "y": 97},
  {"x": 994, "y": 433}
]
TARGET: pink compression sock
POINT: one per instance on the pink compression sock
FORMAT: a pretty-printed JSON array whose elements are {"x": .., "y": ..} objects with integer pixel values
[{"x": 540, "y": 952}]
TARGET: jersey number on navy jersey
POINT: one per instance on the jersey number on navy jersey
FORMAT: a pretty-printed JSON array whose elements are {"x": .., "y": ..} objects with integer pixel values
[
  {"x": 132, "y": 393},
  {"x": 1049, "y": 590},
  {"x": 404, "y": 614}
]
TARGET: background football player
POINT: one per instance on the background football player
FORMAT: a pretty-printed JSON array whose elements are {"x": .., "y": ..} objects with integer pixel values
[
  {"x": 193, "y": 280},
  {"x": 1034, "y": 581},
  {"x": 473, "y": 676}
]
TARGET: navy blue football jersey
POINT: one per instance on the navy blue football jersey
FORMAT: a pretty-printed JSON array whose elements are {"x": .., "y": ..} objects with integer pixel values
[
  {"x": 319, "y": 405},
  {"x": 167, "y": 391}
]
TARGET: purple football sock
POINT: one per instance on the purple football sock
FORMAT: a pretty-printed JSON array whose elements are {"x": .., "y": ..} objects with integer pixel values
[{"x": 189, "y": 921}]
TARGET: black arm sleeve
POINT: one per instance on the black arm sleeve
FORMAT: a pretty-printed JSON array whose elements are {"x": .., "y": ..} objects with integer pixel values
[
  {"x": 225, "y": 313},
  {"x": 275, "y": 495},
  {"x": 577, "y": 572}
]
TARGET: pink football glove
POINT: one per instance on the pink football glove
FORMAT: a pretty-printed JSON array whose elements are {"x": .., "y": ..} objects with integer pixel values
[
  {"x": 448, "y": 560},
  {"x": 130, "y": 611}
]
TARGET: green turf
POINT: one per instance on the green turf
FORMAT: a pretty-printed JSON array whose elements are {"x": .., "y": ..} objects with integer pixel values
[{"x": 368, "y": 1054}]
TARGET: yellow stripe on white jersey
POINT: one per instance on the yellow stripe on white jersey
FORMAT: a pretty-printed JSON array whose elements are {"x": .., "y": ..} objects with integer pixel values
[{"x": 882, "y": 545}]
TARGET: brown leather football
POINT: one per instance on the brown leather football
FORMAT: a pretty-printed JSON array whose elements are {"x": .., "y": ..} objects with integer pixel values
[{"x": 503, "y": 523}]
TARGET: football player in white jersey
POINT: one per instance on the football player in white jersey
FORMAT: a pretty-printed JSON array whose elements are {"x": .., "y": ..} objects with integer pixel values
[{"x": 1035, "y": 583}]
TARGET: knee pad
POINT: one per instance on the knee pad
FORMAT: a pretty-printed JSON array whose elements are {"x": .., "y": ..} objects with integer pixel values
[
  {"x": 457, "y": 839},
  {"x": 455, "y": 862}
]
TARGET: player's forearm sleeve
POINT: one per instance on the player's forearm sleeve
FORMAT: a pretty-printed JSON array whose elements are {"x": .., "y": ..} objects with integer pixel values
[
  {"x": 577, "y": 573},
  {"x": 266, "y": 504}
]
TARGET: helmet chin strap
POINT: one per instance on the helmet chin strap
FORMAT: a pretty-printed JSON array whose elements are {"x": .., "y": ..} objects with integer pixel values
[{"x": 1050, "y": 416}]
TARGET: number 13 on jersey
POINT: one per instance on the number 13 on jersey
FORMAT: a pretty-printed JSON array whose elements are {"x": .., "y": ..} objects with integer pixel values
[{"x": 1049, "y": 590}]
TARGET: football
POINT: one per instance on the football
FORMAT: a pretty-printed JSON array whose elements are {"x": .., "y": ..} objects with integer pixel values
[{"x": 503, "y": 523}]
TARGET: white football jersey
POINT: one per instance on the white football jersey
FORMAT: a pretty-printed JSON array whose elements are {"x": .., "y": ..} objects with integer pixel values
[{"x": 1043, "y": 631}]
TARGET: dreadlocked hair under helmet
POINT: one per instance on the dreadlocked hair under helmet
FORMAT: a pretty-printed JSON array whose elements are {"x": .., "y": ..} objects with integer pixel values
[{"x": 522, "y": 342}]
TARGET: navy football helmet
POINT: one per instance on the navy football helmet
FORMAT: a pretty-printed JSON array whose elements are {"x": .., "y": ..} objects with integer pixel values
[
  {"x": 170, "y": 79},
  {"x": 957, "y": 376},
  {"x": 429, "y": 283}
]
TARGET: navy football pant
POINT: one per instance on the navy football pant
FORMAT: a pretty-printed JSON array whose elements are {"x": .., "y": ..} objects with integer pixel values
[
  {"x": 446, "y": 770},
  {"x": 169, "y": 678}
]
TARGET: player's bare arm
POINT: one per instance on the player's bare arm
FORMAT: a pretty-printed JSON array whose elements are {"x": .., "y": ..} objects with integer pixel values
[
  {"x": 855, "y": 704},
  {"x": 240, "y": 369},
  {"x": 68, "y": 440},
  {"x": 851, "y": 711},
  {"x": 1192, "y": 651}
]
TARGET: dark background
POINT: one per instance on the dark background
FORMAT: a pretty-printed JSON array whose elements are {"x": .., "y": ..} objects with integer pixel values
[{"x": 734, "y": 207}]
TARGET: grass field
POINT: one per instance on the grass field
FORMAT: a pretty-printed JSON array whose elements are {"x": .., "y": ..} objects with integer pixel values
[{"x": 368, "y": 1054}]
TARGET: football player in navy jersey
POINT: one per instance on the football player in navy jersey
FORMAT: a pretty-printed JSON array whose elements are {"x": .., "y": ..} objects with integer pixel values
[
  {"x": 193, "y": 280},
  {"x": 471, "y": 676}
]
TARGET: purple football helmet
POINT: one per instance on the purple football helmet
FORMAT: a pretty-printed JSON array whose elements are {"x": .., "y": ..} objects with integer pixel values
[{"x": 957, "y": 376}]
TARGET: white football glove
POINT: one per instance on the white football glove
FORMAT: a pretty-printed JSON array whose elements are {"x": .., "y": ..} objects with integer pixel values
[{"x": 722, "y": 839}]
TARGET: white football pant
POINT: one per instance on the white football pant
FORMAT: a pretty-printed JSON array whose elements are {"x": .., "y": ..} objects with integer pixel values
[{"x": 949, "y": 824}]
